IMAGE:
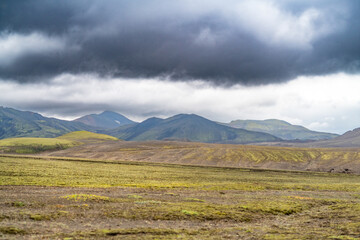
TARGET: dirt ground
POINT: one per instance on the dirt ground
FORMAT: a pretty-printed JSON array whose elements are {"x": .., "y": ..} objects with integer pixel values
[{"x": 29, "y": 212}]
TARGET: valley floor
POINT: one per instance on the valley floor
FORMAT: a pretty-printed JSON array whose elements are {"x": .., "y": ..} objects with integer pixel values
[{"x": 82, "y": 199}]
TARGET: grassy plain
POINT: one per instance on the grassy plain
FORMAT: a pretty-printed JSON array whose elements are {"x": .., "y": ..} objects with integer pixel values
[
  {"x": 35, "y": 145},
  {"x": 84, "y": 198}
]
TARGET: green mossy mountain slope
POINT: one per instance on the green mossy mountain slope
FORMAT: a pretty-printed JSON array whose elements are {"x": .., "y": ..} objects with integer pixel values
[
  {"x": 15, "y": 123},
  {"x": 188, "y": 127},
  {"x": 37, "y": 145},
  {"x": 105, "y": 120},
  {"x": 87, "y": 136},
  {"x": 281, "y": 129}
]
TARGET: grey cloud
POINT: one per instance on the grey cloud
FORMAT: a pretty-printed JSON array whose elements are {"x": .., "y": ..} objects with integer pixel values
[{"x": 184, "y": 40}]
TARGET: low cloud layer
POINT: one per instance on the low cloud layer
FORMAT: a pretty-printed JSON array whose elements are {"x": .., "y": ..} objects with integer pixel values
[
  {"x": 222, "y": 42},
  {"x": 305, "y": 100}
]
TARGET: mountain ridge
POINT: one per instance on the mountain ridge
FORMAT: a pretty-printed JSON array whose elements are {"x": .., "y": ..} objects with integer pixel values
[
  {"x": 16, "y": 123},
  {"x": 350, "y": 139},
  {"x": 281, "y": 129},
  {"x": 181, "y": 127},
  {"x": 188, "y": 127},
  {"x": 105, "y": 120}
]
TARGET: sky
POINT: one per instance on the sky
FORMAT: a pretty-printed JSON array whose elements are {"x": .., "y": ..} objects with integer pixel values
[{"x": 295, "y": 60}]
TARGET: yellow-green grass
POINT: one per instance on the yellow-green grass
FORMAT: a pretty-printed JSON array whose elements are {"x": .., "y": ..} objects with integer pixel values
[
  {"x": 82, "y": 173},
  {"x": 29, "y": 141},
  {"x": 94, "y": 199},
  {"x": 34, "y": 145},
  {"x": 85, "y": 135}
]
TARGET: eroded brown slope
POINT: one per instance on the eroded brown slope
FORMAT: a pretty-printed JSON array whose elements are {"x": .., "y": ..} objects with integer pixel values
[{"x": 332, "y": 160}]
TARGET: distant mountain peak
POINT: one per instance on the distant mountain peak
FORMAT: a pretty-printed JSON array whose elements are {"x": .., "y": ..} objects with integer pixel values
[
  {"x": 106, "y": 120},
  {"x": 107, "y": 112},
  {"x": 349, "y": 139},
  {"x": 184, "y": 115},
  {"x": 277, "y": 121},
  {"x": 352, "y": 133}
]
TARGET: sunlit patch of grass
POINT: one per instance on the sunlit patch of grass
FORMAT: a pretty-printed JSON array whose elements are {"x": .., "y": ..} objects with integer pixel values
[
  {"x": 11, "y": 230},
  {"x": 34, "y": 145},
  {"x": 40, "y": 217},
  {"x": 8, "y": 142},
  {"x": 193, "y": 200},
  {"x": 135, "y": 196},
  {"x": 300, "y": 197},
  {"x": 190, "y": 213},
  {"x": 352, "y": 228},
  {"x": 275, "y": 207},
  {"x": 148, "y": 202},
  {"x": 47, "y": 216},
  {"x": 84, "y": 135},
  {"x": 187, "y": 211},
  {"x": 86, "y": 197},
  {"x": 18, "y": 204}
]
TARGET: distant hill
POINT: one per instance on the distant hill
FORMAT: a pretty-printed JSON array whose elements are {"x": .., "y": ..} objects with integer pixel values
[
  {"x": 35, "y": 145},
  {"x": 347, "y": 140},
  {"x": 188, "y": 127},
  {"x": 15, "y": 123},
  {"x": 281, "y": 129},
  {"x": 85, "y": 136},
  {"x": 105, "y": 120}
]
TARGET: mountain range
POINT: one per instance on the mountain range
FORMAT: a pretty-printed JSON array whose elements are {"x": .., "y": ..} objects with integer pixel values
[
  {"x": 281, "y": 129},
  {"x": 15, "y": 123},
  {"x": 188, "y": 127},
  {"x": 181, "y": 127}
]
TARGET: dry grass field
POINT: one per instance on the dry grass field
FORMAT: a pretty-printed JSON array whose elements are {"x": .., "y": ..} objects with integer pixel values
[
  {"x": 37, "y": 145},
  {"x": 34, "y": 145},
  {"x": 100, "y": 187},
  {"x": 65, "y": 198}
]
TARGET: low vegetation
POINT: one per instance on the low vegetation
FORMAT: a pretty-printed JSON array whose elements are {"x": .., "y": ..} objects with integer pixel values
[
  {"x": 225, "y": 155},
  {"x": 96, "y": 173},
  {"x": 15, "y": 123},
  {"x": 34, "y": 145},
  {"x": 85, "y": 135},
  {"x": 93, "y": 199},
  {"x": 86, "y": 197},
  {"x": 37, "y": 145}
]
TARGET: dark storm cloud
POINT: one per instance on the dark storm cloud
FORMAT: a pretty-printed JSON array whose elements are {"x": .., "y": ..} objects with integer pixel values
[{"x": 218, "y": 41}]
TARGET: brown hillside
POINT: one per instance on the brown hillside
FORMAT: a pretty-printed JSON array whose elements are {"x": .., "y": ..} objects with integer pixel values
[
  {"x": 331, "y": 160},
  {"x": 350, "y": 139}
]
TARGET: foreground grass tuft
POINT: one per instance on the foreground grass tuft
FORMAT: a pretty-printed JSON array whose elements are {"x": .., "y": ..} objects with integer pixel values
[{"x": 11, "y": 230}]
